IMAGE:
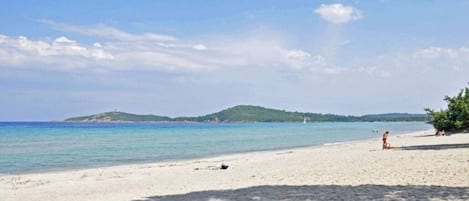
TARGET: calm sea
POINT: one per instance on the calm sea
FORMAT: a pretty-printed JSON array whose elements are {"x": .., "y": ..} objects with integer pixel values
[{"x": 46, "y": 146}]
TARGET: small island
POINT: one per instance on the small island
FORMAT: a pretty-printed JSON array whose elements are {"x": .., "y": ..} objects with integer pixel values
[
  {"x": 250, "y": 113},
  {"x": 116, "y": 116}
]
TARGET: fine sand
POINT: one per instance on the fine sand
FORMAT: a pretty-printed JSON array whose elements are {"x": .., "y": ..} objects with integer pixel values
[{"x": 426, "y": 168}]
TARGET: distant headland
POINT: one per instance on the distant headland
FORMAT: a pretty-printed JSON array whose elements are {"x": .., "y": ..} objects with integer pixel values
[{"x": 250, "y": 113}]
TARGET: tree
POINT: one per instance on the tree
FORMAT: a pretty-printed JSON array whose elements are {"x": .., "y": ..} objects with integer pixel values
[{"x": 456, "y": 117}]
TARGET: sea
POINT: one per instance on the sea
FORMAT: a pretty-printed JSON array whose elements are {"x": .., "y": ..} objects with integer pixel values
[{"x": 29, "y": 147}]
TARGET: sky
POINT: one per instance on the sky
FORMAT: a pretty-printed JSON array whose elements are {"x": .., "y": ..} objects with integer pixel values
[{"x": 60, "y": 59}]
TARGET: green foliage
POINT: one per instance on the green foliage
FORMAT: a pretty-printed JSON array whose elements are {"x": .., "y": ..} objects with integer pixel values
[
  {"x": 456, "y": 117},
  {"x": 395, "y": 117}
]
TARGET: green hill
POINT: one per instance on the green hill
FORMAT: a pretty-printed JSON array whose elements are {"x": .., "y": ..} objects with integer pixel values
[
  {"x": 118, "y": 117},
  {"x": 249, "y": 113}
]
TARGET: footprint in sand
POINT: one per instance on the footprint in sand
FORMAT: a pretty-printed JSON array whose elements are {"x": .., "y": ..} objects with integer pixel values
[
  {"x": 18, "y": 182},
  {"x": 84, "y": 175},
  {"x": 282, "y": 153}
]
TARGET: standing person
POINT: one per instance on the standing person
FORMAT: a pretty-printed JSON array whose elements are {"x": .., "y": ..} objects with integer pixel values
[{"x": 386, "y": 145}]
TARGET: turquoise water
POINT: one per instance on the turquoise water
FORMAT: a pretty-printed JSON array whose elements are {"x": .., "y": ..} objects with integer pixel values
[{"x": 45, "y": 146}]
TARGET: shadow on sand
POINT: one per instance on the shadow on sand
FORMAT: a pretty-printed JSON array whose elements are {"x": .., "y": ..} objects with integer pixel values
[
  {"x": 436, "y": 147},
  {"x": 324, "y": 192},
  {"x": 429, "y": 135}
]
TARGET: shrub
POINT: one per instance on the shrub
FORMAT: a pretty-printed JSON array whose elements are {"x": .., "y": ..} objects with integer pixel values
[{"x": 456, "y": 117}]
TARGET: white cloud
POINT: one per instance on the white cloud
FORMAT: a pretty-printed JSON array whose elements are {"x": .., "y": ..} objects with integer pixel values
[
  {"x": 338, "y": 13},
  {"x": 299, "y": 59},
  {"x": 64, "y": 53},
  {"x": 370, "y": 71},
  {"x": 97, "y": 45},
  {"x": 424, "y": 63},
  {"x": 298, "y": 54},
  {"x": 166, "y": 45},
  {"x": 255, "y": 52},
  {"x": 438, "y": 52},
  {"x": 333, "y": 70},
  {"x": 61, "y": 52},
  {"x": 107, "y": 32},
  {"x": 63, "y": 39},
  {"x": 154, "y": 52},
  {"x": 452, "y": 58},
  {"x": 249, "y": 53},
  {"x": 199, "y": 47}
]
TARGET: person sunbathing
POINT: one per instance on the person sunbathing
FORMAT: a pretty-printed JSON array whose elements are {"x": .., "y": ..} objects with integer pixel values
[{"x": 440, "y": 133}]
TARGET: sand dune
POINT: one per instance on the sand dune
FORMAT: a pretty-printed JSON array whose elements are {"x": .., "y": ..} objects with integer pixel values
[{"x": 427, "y": 167}]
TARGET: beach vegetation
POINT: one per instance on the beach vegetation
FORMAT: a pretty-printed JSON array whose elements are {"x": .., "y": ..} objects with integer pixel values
[{"x": 456, "y": 116}]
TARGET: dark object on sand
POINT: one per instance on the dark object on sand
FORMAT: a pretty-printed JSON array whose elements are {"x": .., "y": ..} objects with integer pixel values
[{"x": 223, "y": 166}]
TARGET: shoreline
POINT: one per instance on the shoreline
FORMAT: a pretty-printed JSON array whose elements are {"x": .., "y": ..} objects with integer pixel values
[
  {"x": 182, "y": 160},
  {"x": 202, "y": 122},
  {"x": 427, "y": 162}
]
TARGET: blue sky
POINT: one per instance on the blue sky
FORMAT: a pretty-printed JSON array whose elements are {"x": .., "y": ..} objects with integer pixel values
[{"x": 67, "y": 58}]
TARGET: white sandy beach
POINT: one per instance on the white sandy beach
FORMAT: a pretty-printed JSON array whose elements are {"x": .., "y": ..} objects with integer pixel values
[{"x": 428, "y": 168}]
